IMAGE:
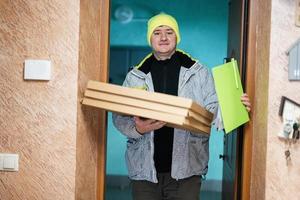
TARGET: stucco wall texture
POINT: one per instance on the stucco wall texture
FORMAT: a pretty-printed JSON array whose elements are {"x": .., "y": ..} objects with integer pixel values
[
  {"x": 38, "y": 118},
  {"x": 282, "y": 180}
]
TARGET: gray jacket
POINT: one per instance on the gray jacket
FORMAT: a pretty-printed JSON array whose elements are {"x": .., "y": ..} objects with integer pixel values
[{"x": 190, "y": 150}]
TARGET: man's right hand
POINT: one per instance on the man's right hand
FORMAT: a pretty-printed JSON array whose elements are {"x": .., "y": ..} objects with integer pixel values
[{"x": 147, "y": 125}]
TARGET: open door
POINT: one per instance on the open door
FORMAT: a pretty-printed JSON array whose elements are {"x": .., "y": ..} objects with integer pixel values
[{"x": 233, "y": 141}]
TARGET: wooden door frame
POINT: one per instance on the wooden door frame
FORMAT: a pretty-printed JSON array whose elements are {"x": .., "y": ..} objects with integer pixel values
[
  {"x": 258, "y": 20},
  {"x": 257, "y": 62},
  {"x": 104, "y": 76},
  {"x": 248, "y": 128}
]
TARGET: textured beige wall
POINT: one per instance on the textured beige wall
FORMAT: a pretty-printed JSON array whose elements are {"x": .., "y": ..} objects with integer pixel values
[
  {"x": 282, "y": 180},
  {"x": 37, "y": 118}
]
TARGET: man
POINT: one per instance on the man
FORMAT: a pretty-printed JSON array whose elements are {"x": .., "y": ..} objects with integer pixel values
[{"x": 164, "y": 162}]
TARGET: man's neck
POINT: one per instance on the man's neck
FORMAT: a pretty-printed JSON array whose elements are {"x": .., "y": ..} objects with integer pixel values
[{"x": 163, "y": 56}]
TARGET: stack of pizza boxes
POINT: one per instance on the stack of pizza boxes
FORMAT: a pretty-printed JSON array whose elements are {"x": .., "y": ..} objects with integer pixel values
[{"x": 177, "y": 112}]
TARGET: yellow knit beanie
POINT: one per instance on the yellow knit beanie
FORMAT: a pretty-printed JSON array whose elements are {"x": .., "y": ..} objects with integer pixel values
[{"x": 160, "y": 20}]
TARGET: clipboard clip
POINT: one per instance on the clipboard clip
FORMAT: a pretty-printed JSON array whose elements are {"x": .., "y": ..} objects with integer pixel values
[
  {"x": 235, "y": 70},
  {"x": 234, "y": 65}
]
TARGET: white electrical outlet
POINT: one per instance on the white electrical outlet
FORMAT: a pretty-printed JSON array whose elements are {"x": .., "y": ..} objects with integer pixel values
[{"x": 9, "y": 162}]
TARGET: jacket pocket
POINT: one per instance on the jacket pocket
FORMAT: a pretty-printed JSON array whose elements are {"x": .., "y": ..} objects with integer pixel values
[
  {"x": 198, "y": 147},
  {"x": 135, "y": 156}
]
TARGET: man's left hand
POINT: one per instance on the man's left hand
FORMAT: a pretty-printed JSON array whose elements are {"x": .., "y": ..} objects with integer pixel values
[{"x": 246, "y": 102}]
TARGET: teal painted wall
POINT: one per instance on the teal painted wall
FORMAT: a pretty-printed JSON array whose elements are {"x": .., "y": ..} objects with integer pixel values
[
  {"x": 203, "y": 27},
  {"x": 116, "y": 146}
]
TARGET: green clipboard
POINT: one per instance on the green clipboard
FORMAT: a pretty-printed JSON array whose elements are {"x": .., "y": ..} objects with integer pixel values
[{"x": 229, "y": 90}]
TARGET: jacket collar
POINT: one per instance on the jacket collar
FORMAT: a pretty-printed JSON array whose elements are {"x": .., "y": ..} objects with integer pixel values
[
  {"x": 185, "y": 60},
  {"x": 189, "y": 66},
  {"x": 184, "y": 75}
]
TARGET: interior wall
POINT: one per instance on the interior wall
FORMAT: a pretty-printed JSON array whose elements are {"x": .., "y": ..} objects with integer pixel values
[
  {"x": 282, "y": 179},
  {"x": 203, "y": 26},
  {"x": 38, "y": 118}
]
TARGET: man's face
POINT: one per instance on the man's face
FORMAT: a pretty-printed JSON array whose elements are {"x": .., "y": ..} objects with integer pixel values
[{"x": 163, "y": 40}]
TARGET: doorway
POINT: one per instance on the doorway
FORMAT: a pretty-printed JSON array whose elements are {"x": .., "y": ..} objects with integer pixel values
[
  {"x": 204, "y": 36},
  {"x": 257, "y": 58}
]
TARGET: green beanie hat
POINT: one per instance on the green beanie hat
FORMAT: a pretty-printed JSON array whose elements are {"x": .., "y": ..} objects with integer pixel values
[{"x": 160, "y": 20}]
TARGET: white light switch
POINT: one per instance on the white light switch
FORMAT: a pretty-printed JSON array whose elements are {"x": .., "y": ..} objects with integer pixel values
[
  {"x": 37, "y": 70},
  {"x": 9, "y": 162}
]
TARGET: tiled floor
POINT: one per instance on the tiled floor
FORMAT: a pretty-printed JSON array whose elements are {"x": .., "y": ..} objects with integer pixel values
[{"x": 116, "y": 193}]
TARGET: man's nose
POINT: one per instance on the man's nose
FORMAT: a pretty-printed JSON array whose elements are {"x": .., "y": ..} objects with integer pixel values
[{"x": 163, "y": 36}]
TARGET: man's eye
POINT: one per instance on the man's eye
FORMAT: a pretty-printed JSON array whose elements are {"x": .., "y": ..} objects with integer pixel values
[
  {"x": 156, "y": 33},
  {"x": 170, "y": 33}
]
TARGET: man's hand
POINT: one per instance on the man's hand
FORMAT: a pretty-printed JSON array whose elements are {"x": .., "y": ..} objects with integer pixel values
[
  {"x": 147, "y": 125},
  {"x": 246, "y": 101}
]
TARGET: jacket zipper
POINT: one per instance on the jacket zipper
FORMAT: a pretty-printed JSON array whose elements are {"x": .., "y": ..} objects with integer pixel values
[{"x": 153, "y": 170}]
